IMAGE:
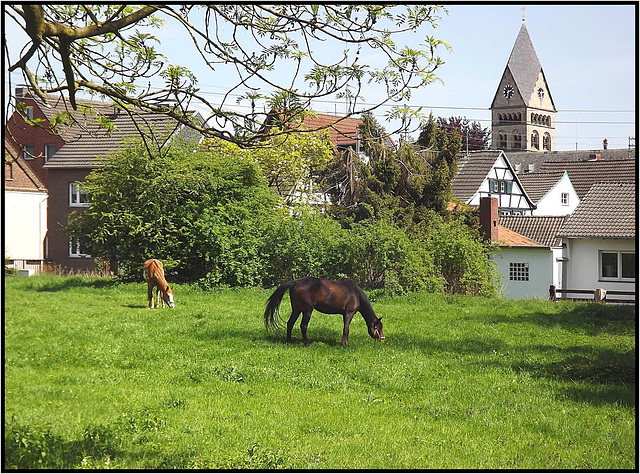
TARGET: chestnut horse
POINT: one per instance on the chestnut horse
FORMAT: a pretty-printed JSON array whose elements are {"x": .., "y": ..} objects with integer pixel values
[
  {"x": 154, "y": 276},
  {"x": 331, "y": 297}
]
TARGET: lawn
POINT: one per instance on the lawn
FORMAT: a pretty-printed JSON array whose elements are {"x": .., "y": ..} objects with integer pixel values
[{"x": 92, "y": 378}]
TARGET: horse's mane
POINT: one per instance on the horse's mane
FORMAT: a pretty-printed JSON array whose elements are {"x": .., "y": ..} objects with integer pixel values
[{"x": 366, "y": 309}]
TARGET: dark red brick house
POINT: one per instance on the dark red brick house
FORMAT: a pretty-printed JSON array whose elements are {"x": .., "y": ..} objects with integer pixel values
[
  {"x": 79, "y": 148},
  {"x": 32, "y": 131}
]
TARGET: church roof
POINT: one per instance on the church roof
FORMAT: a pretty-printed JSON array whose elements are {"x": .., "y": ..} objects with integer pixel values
[{"x": 525, "y": 65}]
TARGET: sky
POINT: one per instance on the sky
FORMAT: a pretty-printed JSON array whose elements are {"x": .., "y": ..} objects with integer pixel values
[{"x": 587, "y": 52}]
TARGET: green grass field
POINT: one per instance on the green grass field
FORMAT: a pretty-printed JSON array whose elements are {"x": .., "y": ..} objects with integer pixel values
[{"x": 95, "y": 379}]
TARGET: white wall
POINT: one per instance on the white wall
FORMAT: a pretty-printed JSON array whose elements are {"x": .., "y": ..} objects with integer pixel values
[
  {"x": 583, "y": 269},
  {"x": 550, "y": 204},
  {"x": 25, "y": 225},
  {"x": 540, "y": 262},
  {"x": 557, "y": 266}
]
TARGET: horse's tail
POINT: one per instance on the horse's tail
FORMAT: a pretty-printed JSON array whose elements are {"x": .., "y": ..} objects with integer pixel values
[{"x": 272, "y": 310}]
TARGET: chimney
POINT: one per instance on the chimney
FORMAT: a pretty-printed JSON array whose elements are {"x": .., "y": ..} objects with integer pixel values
[
  {"x": 605, "y": 143},
  {"x": 489, "y": 218}
]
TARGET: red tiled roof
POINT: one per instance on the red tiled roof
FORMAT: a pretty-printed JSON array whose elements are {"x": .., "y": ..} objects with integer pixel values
[
  {"x": 509, "y": 238},
  {"x": 343, "y": 131}
]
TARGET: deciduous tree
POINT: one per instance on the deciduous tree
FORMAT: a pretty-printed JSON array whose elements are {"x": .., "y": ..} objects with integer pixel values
[{"x": 110, "y": 50}]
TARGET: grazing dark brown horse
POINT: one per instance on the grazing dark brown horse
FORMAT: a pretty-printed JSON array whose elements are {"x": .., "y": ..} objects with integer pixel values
[
  {"x": 332, "y": 297},
  {"x": 153, "y": 271}
]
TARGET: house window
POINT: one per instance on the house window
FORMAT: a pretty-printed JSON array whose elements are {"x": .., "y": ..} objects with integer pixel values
[
  {"x": 564, "y": 199},
  {"x": 49, "y": 150},
  {"x": 617, "y": 266},
  {"x": 500, "y": 186},
  {"x": 519, "y": 271},
  {"x": 77, "y": 249},
  {"x": 77, "y": 196},
  {"x": 28, "y": 112},
  {"x": 28, "y": 152}
]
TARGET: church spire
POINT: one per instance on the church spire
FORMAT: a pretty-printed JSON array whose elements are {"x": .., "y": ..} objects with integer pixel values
[
  {"x": 523, "y": 112},
  {"x": 524, "y": 63}
]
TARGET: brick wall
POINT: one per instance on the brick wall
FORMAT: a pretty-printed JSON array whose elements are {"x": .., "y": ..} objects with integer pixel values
[
  {"x": 59, "y": 208},
  {"x": 489, "y": 218},
  {"x": 37, "y": 136}
]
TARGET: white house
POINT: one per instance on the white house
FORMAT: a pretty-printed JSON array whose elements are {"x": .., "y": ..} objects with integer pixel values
[
  {"x": 601, "y": 239},
  {"x": 25, "y": 218},
  {"x": 530, "y": 258},
  {"x": 552, "y": 193},
  {"x": 489, "y": 173}
]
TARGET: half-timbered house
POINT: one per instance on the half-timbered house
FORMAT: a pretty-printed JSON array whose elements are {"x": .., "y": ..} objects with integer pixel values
[{"x": 489, "y": 174}]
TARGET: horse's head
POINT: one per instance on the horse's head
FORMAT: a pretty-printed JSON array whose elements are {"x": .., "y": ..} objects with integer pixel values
[
  {"x": 375, "y": 329},
  {"x": 167, "y": 297}
]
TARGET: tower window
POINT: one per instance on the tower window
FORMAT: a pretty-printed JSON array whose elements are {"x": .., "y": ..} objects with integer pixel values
[
  {"x": 517, "y": 139},
  {"x": 535, "y": 140},
  {"x": 502, "y": 140},
  {"x": 546, "y": 141}
]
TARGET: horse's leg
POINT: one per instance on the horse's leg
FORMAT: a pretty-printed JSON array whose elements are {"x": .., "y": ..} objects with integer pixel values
[
  {"x": 292, "y": 320},
  {"x": 306, "y": 316},
  {"x": 348, "y": 316},
  {"x": 150, "y": 295}
]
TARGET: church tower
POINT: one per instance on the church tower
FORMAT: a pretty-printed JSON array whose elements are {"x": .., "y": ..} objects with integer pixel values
[{"x": 523, "y": 114}]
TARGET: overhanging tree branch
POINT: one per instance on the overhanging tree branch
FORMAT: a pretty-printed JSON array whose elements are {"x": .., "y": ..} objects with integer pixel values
[{"x": 94, "y": 49}]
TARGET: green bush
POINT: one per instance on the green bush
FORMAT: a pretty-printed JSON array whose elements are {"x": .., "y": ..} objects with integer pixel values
[
  {"x": 203, "y": 215},
  {"x": 461, "y": 258},
  {"x": 212, "y": 219},
  {"x": 381, "y": 255},
  {"x": 307, "y": 244},
  {"x": 376, "y": 254}
]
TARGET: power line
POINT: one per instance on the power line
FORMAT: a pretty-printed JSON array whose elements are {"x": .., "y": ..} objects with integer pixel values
[{"x": 422, "y": 106}]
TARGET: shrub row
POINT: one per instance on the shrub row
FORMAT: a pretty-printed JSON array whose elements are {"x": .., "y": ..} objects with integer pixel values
[{"x": 214, "y": 220}]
